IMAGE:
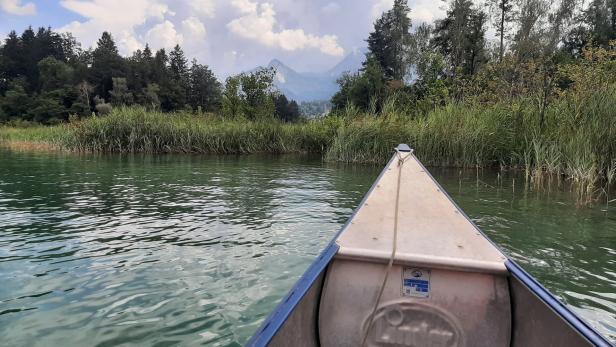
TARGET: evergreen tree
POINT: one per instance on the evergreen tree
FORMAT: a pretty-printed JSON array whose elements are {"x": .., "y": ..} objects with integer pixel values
[
  {"x": 388, "y": 43},
  {"x": 205, "y": 91},
  {"x": 11, "y": 61},
  {"x": 285, "y": 110},
  {"x": 176, "y": 89},
  {"x": 459, "y": 37},
  {"x": 503, "y": 15},
  {"x": 106, "y": 64}
]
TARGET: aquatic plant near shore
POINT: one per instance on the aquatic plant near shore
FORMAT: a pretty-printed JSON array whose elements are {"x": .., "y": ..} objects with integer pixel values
[
  {"x": 138, "y": 130},
  {"x": 575, "y": 141}
]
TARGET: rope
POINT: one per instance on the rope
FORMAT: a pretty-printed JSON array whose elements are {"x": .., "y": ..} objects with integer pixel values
[{"x": 401, "y": 160}]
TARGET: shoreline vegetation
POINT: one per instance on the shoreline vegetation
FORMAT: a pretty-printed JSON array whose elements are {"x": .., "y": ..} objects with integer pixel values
[
  {"x": 541, "y": 100},
  {"x": 576, "y": 140}
]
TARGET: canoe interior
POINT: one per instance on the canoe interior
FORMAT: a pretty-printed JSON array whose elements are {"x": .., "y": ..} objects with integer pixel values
[
  {"x": 532, "y": 323},
  {"x": 448, "y": 284}
]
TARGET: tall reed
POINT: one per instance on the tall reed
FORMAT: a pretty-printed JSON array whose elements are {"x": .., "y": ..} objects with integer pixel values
[{"x": 576, "y": 140}]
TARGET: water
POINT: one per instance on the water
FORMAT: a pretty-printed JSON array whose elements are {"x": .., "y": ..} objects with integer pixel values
[{"x": 194, "y": 250}]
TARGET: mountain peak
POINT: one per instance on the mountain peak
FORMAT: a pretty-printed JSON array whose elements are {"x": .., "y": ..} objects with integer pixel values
[
  {"x": 275, "y": 63},
  {"x": 301, "y": 86}
]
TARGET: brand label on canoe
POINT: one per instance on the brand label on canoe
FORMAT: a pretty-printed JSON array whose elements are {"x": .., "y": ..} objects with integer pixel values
[{"x": 416, "y": 282}]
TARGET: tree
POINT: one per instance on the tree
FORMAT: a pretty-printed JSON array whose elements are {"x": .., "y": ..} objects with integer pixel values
[
  {"x": 178, "y": 67},
  {"x": 250, "y": 95},
  {"x": 459, "y": 37},
  {"x": 82, "y": 106},
  {"x": 388, "y": 43},
  {"x": 503, "y": 15},
  {"x": 16, "y": 103},
  {"x": 151, "y": 99},
  {"x": 529, "y": 40},
  {"x": 285, "y": 110},
  {"x": 54, "y": 74},
  {"x": 205, "y": 91},
  {"x": 363, "y": 89},
  {"x": 600, "y": 19},
  {"x": 120, "y": 95},
  {"x": 106, "y": 64},
  {"x": 475, "y": 53}
]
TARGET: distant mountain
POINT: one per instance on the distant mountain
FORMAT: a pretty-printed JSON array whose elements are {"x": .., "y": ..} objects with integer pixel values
[
  {"x": 351, "y": 63},
  {"x": 309, "y": 86}
]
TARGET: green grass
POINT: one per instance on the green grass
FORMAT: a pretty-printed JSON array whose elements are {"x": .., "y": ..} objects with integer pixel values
[
  {"x": 37, "y": 134},
  {"x": 576, "y": 142},
  {"x": 137, "y": 130}
]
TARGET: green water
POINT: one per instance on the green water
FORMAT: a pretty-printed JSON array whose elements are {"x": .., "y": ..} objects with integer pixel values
[{"x": 194, "y": 250}]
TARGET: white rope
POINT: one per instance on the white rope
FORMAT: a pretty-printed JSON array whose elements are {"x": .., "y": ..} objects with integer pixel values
[{"x": 401, "y": 160}]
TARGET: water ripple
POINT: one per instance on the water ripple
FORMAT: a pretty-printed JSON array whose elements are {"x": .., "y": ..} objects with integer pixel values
[
  {"x": 193, "y": 250},
  {"x": 158, "y": 251}
]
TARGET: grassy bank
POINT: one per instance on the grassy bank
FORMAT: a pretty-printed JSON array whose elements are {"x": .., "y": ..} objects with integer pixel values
[{"x": 576, "y": 138}]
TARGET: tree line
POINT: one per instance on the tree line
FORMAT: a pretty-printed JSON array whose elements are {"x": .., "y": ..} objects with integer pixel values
[
  {"x": 46, "y": 76},
  {"x": 453, "y": 60}
]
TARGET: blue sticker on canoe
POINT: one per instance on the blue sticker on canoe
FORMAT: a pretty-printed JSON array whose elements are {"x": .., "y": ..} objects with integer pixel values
[{"x": 416, "y": 282}]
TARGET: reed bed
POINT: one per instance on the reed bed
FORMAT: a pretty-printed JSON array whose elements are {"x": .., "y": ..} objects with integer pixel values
[
  {"x": 137, "y": 130},
  {"x": 576, "y": 140}
]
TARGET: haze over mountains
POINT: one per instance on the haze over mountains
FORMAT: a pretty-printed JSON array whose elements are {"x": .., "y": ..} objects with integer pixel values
[{"x": 311, "y": 86}]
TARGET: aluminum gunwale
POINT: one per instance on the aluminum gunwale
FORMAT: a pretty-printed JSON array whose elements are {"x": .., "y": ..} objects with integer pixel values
[
  {"x": 558, "y": 307},
  {"x": 535, "y": 287},
  {"x": 276, "y": 319}
]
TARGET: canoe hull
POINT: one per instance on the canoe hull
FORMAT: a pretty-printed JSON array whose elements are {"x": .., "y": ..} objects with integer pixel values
[{"x": 448, "y": 285}]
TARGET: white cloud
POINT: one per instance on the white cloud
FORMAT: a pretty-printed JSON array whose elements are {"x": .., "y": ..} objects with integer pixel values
[
  {"x": 193, "y": 28},
  {"x": 259, "y": 22},
  {"x": 421, "y": 10},
  {"x": 163, "y": 35},
  {"x": 245, "y": 6},
  {"x": 381, "y": 6},
  {"x": 203, "y": 7},
  {"x": 15, "y": 7},
  {"x": 120, "y": 17},
  {"x": 194, "y": 33},
  {"x": 426, "y": 11}
]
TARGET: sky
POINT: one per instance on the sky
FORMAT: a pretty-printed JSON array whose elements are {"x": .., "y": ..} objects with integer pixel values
[{"x": 228, "y": 35}]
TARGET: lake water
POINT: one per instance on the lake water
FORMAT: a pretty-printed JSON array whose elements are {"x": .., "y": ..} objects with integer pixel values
[{"x": 197, "y": 250}]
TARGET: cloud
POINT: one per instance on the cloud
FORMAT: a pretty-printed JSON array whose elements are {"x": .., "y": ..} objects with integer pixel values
[
  {"x": 381, "y": 6},
  {"x": 192, "y": 27},
  {"x": 120, "y": 17},
  {"x": 163, "y": 35},
  {"x": 259, "y": 22},
  {"x": 203, "y": 7},
  {"x": 421, "y": 10},
  {"x": 15, "y": 7},
  {"x": 194, "y": 34},
  {"x": 245, "y": 6}
]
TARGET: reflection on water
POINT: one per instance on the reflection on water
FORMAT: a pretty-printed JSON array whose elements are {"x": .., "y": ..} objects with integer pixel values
[
  {"x": 571, "y": 251},
  {"x": 194, "y": 250}
]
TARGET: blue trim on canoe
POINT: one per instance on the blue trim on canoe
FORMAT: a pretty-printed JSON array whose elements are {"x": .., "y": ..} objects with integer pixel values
[
  {"x": 571, "y": 318},
  {"x": 558, "y": 307},
  {"x": 273, "y": 323},
  {"x": 276, "y": 319}
]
